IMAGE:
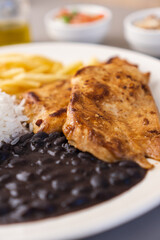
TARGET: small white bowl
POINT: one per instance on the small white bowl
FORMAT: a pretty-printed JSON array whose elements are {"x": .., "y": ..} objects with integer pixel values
[
  {"x": 93, "y": 32},
  {"x": 143, "y": 40}
]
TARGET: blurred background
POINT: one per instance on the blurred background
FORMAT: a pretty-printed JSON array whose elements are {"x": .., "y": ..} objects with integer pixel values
[
  {"x": 119, "y": 8},
  {"x": 34, "y": 11}
]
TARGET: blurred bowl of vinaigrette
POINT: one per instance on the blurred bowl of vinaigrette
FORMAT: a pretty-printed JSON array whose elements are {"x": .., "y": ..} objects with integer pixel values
[{"x": 78, "y": 23}]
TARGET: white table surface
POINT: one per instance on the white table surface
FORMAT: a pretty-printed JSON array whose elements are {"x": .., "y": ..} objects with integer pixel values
[{"x": 146, "y": 227}]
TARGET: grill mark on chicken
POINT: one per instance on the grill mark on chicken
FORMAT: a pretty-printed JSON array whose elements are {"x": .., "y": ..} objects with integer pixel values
[
  {"x": 100, "y": 92},
  {"x": 154, "y": 132},
  {"x": 75, "y": 98},
  {"x": 145, "y": 88},
  {"x": 39, "y": 122},
  {"x": 34, "y": 96},
  {"x": 59, "y": 112}
]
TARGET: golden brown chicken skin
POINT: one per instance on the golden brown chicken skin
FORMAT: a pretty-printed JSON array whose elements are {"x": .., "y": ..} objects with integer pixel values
[
  {"x": 46, "y": 107},
  {"x": 112, "y": 114}
]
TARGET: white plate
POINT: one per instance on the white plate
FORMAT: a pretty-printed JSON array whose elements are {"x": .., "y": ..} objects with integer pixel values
[{"x": 131, "y": 204}]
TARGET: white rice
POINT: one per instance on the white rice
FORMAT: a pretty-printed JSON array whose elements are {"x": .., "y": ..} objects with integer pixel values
[{"x": 12, "y": 120}]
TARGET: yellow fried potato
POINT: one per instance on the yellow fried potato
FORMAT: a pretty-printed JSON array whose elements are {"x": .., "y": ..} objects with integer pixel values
[
  {"x": 10, "y": 73},
  {"x": 93, "y": 62},
  {"x": 71, "y": 69},
  {"x": 57, "y": 66},
  {"x": 41, "y": 69},
  {"x": 11, "y": 90},
  {"x": 20, "y": 83},
  {"x": 19, "y": 72},
  {"x": 40, "y": 59},
  {"x": 39, "y": 77}
]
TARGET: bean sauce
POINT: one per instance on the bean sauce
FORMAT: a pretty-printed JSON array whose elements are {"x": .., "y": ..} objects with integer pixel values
[{"x": 43, "y": 176}]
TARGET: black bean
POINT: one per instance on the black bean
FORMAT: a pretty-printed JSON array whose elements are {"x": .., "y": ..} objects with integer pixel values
[
  {"x": 58, "y": 161},
  {"x": 50, "y": 209},
  {"x": 23, "y": 176},
  {"x": 4, "y": 209},
  {"x": 48, "y": 160},
  {"x": 60, "y": 184},
  {"x": 104, "y": 165},
  {"x": 131, "y": 171},
  {"x": 51, "y": 195},
  {"x": 69, "y": 148},
  {"x": 4, "y": 196},
  {"x": 14, "y": 202},
  {"x": 59, "y": 140},
  {"x": 33, "y": 212},
  {"x": 74, "y": 170},
  {"x": 32, "y": 147},
  {"x": 3, "y": 156},
  {"x": 84, "y": 155},
  {"x": 37, "y": 142},
  {"x": 46, "y": 177},
  {"x": 98, "y": 181},
  {"x": 48, "y": 145},
  {"x": 101, "y": 195},
  {"x": 41, "y": 150},
  {"x": 80, "y": 189},
  {"x": 58, "y": 149},
  {"x": 11, "y": 185},
  {"x": 6, "y": 147},
  {"x": 78, "y": 177},
  {"x": 75, "y": 162},
  {"x": 40, "y": 135},
  {"x": 54, "y": 135},
  {"x": 20, "y": 211},
  {"x": 42, "y": 193},
  {"x": 79, "y": 201},
  {"x": 13, "y": 193},
  {"x": 39, "y": 170},
  {"x": 98, "y": 169},
  {"x": 18, "y": 149},
  {"x": 18, "y": 162},
  {"x": 118, "y": 177},
  {"x": 25, "y": 137},
  {"x": 63, "y": 156},
  {"x": 5, "y": 178},
  {"x": 128, "y": 164},
  {"x": 25, "y": 144}
]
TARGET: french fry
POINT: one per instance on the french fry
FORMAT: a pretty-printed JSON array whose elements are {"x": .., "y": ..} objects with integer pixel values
[
  {"x": 41, "y": 69},
  {"x": 12, "y": 90},
  {"x": 39, "y": 77},
  {"x": 71, "y": 69},
  {"x": 20, "y": 83},
  {"x": 9, "y": 73},
  {"x": 93, "y": 62},
  {"x": 40, "y": 59},
  {"x": 57, "y": 66}
]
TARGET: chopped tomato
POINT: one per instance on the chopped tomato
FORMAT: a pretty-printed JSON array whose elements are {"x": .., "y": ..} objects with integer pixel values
[
  {"x": 83, "y": 18},
  {"x": 62, "y": 12},
  {"x": 74, "y": 17}
]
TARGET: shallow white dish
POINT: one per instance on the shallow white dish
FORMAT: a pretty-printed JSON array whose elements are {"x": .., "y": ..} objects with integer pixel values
[
  {"x": 129, "y": 205},
  {"x": 93, "y": 32},
  {"x": 144, "y": 40}
]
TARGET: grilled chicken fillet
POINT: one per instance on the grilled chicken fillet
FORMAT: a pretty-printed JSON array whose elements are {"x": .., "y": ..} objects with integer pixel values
[
  {"x": 46, "y": 107},
  {"x": 112, "y": 114}
]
